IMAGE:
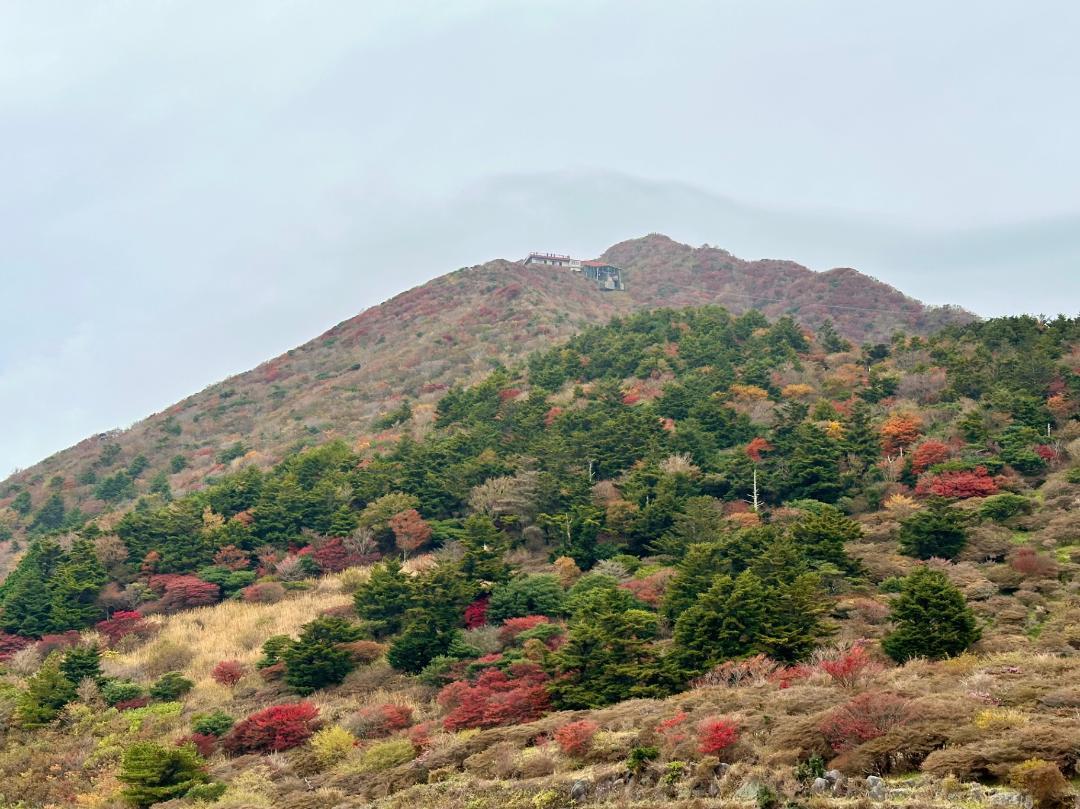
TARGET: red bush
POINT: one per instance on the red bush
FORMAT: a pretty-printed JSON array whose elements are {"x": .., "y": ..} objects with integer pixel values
[
  {"x": 851, "y": 667},
  {"x": 673, "y": 729},
  {"x": 900, "y": 431},
  {"x": 967, "y": 483},
  {"x": 496, "y": 698},
  {"x": 476, "y": 613},
  {"x": 865, "y": 717},
  {"x": 411, "y": 531},
  {"x": 232, "y": 558},
  {"x": 61, "y": 640},
  {"x": 10, "y": 644},
  {"x": 1046, "y": 452},
  {"x": 265, "y": 592},
  {"x": 279, "y": 727},
  {"x": 927, "y": 454},
  {"x": 1031, "y": 563},
  {"x": 650, "y": 589},
  {"x": 122, "y": 624},
  {"x": 332, "y": 556},
  {"x": 204, "y": 743},
  {"x": 128, "y": 704},
  {"x": 420, "y": 735},
  {"x": 715, "y": 735},
  {"x": 180, "y": 591},
  {"x": 756, "y": 447},
  {"x": 382, "y": 720},
  {"x": 512, "y": 627},
  {"x": 575, "y": 738},
  {"x": 228, "y": 672}
]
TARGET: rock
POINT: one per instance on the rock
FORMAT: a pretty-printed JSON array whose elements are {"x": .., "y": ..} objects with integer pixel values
[
  {"x": 819, "y": 787},
  {"x": 580, "y": 790},
  {"x": 1010, "y": 800},
  {"x": 748, "y": 791},
  {"x": 875, "y": 788},
  {"x": 834, "y": 776}
]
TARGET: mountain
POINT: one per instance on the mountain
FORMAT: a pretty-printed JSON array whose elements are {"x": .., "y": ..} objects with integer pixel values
[{"x": 419, "y": 343}]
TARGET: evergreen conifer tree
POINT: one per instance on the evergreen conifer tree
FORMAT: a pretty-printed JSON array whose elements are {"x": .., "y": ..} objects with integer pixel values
[
  {"x": 75, "y": 588},
  {"x": 936, "y": 530},
  {"x": 384, "y": 598},
  {"x": 726, "y": 621},
  {"x": 154, "y": 773},
  {"x": 317, "y": 659},
  {"x": 81, "y": 663},
  {"x": 47, "y": 692},
  {"x": 931, "y": 618},
  {"x": 485, "y": 546}
]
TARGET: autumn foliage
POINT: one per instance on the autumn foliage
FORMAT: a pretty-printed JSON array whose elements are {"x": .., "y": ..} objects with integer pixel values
[
  {"x": 961, "y": 484},
  {"x": 496, "y": 698},
  {"x": 715, "y": 735},
  {"x": 273, "y": 729},
  {"x": 180, "y": 591},
  {"x": 411, "y": 532},
  {"x": 851, "y": 667},
  {"x": 228, "y": 672},
  {"x": 900, "y": 431},
  {"x": 575, "y": 738},
  {"x": 865, "y": 717},
  {"x": 927, "y": 454}
]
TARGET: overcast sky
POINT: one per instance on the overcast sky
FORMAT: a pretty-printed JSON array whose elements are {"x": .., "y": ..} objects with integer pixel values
[{"x": 189, "y": 188}]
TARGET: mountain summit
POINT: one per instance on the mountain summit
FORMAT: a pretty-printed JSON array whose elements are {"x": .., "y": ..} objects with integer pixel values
[{"x": 452, "y": 329}]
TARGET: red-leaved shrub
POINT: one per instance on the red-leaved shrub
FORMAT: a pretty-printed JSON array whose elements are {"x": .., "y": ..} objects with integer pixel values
[
  {"x": 966, "y": 483},
  {"x": 10, "y": 644},
  {"x": 650, "y": 589},
  {"x": 374, "y": 721},
  {"x": 332, "y": 556},
  {"x": 204, "y": 743},
  {"x": 228, "y": 672},
  {"x": 264, "y": 592},
  {"x": 575, "y": 738},
  {"x": 123, "y": 623},
  {"x": 673, "y": 729},
  {"x": 1031, "y": 563},
  {"x": 865, "y": 717},
  {"x": 363, "y": 652},
  {"x": 851, "y": 667},
  {"x": 716, "y": 734},
  {"x": 476, "y": 613},
  {"x": 60, "y": 640},
  {"x": 279, "y": 727},
  {"x": 496, "y": 698},
  {"x": 180, "y": 591},
  {"x": 129, "y": 704},
  {"x": 512, "y": 627},
  {"x": 420, "y": 735},
  {"x": 927, "y": 454}
]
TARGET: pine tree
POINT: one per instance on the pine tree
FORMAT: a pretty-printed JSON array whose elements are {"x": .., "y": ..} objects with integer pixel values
[
  {"x": 51, "y": 516},
  {"x": 814, "y": 465},
  {"x": 830, "y": 338},
  {"x": 726, "y": 621},
  {"x": 384, "y": 598},
  {"x": 75, "y": 588},
  {"x": 81, "y": 663},
  {"x": 485, "y": 546},
  {"x": 860, "y": 437},
  {"x": 47, "y": 692},
  {"x": 694, "y": 575},
  {"x": 938, "y": 530},
  {"x": 822, "y": 534},
  {"x": 424, "y": 638},
  {"x": 26, "y": 593},
  {"x": 698, "y": 523},
  {"x": 155, "y": 773},
  {"x": 931, "y": 618},
  {"x": 317, "y": 659},
  {"x": 608, "y": 657}
]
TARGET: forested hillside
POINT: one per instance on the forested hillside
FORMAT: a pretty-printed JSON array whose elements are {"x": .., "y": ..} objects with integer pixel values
[
  {"x": 685, "y": 556},
  {"x": 356, "y": 380}
]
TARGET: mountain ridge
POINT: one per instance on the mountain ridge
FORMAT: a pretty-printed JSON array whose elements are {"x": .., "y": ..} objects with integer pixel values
[{"x": 449, "y": 330}]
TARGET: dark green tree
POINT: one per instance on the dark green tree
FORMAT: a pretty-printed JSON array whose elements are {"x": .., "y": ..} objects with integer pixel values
[
  {"x": 821, "y": 535},
  {"x": 154, "y": 773},
  {"x": 170, "y": 686},
  {"x": 937, "y": 530},
  {"x": 485, "y": 546},
  {"x": 725, "y": 621},
  {"x": 814, "y": 465},
  {"x": 538, "y": 594},
  {"x": 47, "y": 692},
  {"x": 317, "y": 659},
  {"x": 424, "y": 638},
  {"x": 81, "y": 663},
  {"x": 384, "y": 598},
  {"x": 608, "y": 656},
  {"x": 26, "y": 593},
  {"x": 930, "y": 617},
  {"x": 51, "y": 515},
  {"x": 75, "y": 586}
]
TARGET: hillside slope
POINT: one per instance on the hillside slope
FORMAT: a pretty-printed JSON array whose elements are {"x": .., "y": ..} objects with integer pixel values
[{"x": 420, "y": 342}]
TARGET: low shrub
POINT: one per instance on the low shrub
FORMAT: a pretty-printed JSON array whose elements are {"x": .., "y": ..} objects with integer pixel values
[
  {"x": 332, "y": 744},
  {"x": 171, "y": 686},
  {"x": 204, "y": 743},
  {"x": 851, "y": 667},
  {"x": 865, "y": 717},
  {"x": 153, "y": 773},
  {"x": 1043, "y": 781},
  {"x": 374, "y": 721},
  {"x": 273, "y": 729},
  {"x": 266, "y": 592},
  {"x": 575, "y": 738},
  {"x": 115, "y": 692},
  {"x": 384, "y": 755},
  {"x": 496, "y": 698},
  {"x": 216, "y": 723},
  {"x": 716, "y": 735},
  {"x": 228, "y": 672}
]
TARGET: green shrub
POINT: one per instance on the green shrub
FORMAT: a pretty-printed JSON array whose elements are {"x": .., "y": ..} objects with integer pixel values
[
  {"x": 217, "y": 723},
  {"x": 1073, "y": 475},
  {"x": 207, "y": 793},
  {"x": 1002, "y": 506},
  {"x": 116, "y": 691},
  {"x": 331, "y": 744},
  {"x": 384, "y": 755},
  {"x": 81, "y": 663},
  {"x": 154, "y": 773},
  {"x": 171, "y": 686},
  {"x": 47, "y": 692},
  {"x": 538, "y": 594},
  {"x": 639, "y": 757}
]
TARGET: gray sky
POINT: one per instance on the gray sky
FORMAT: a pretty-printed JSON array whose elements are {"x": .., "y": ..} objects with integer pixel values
[{"x": 188, "y": 188}]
